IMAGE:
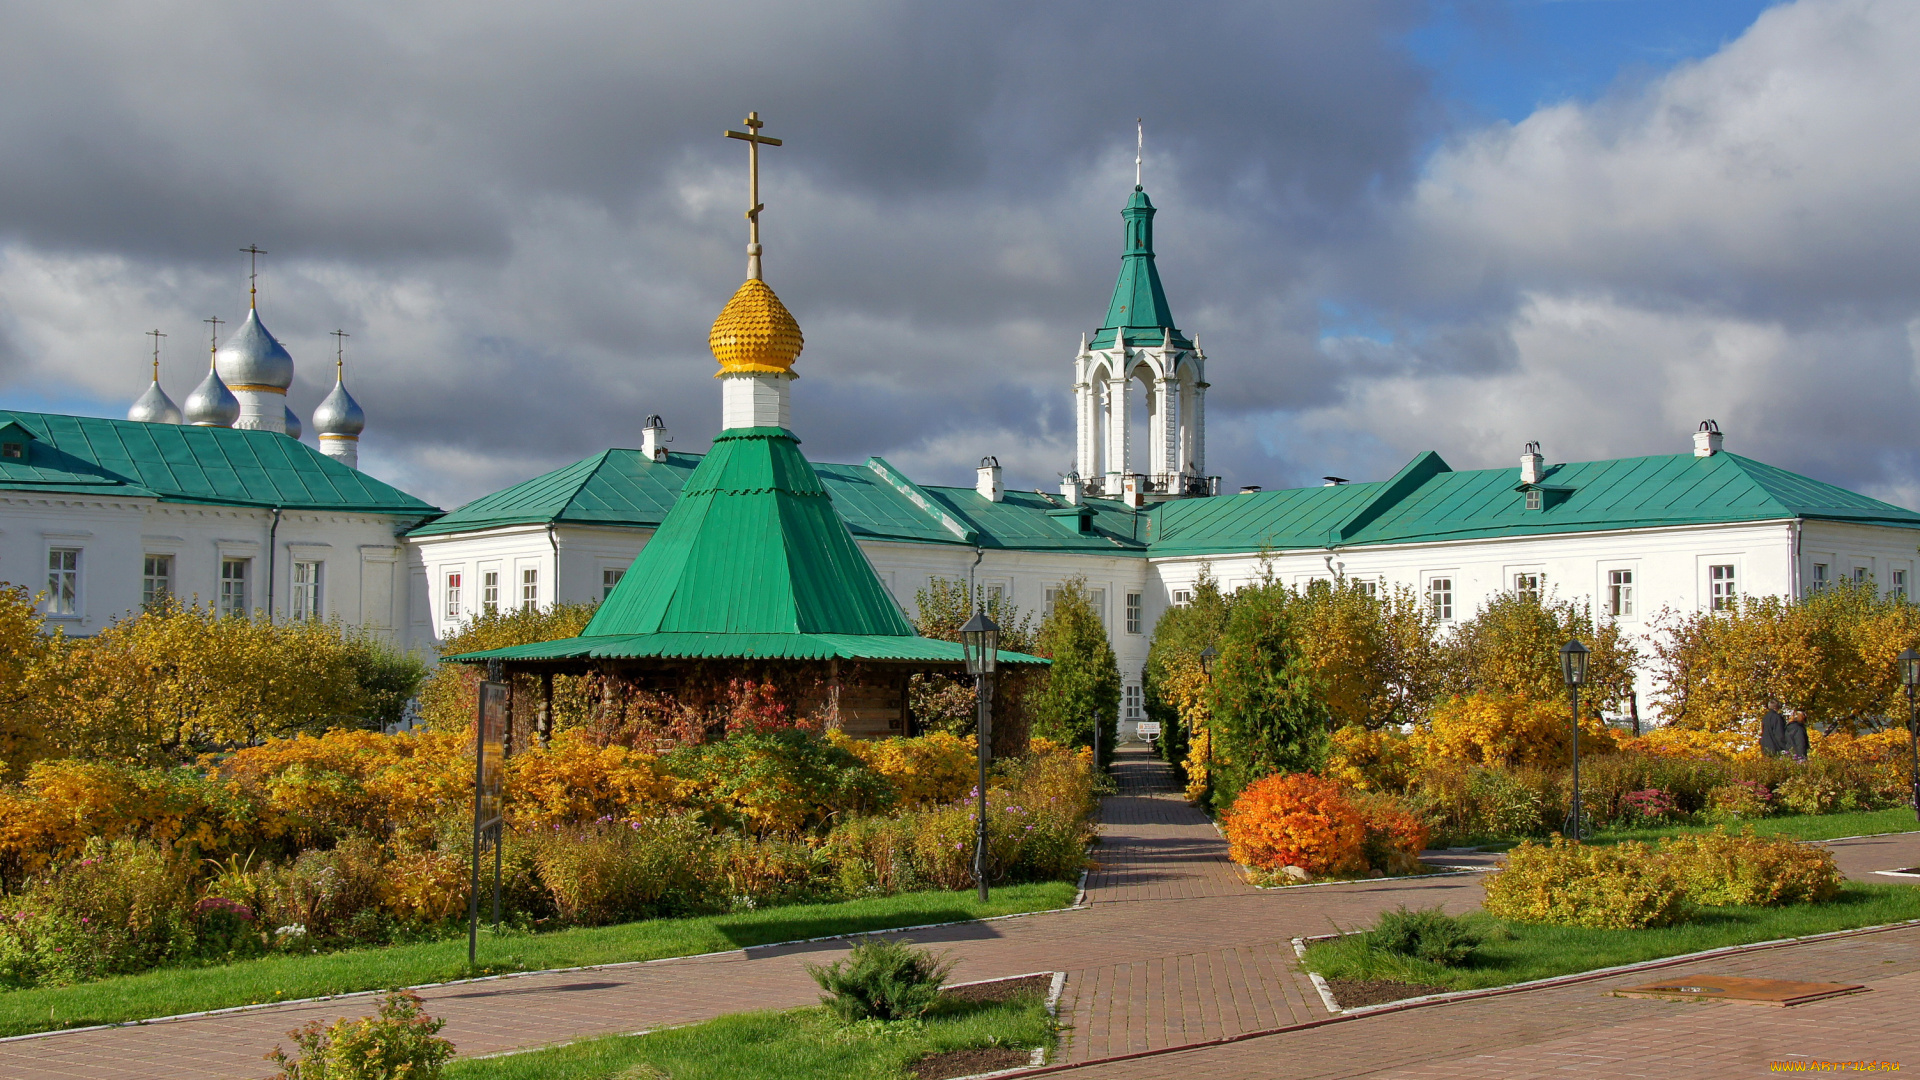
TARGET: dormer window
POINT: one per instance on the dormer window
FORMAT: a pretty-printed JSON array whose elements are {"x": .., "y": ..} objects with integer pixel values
[
  {"x": 1534, "y": 498},
  {"x": 15, "y": 450}
]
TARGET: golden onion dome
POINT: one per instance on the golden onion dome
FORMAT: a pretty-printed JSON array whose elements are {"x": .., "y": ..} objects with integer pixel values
[{"x": 755, "y": 332}]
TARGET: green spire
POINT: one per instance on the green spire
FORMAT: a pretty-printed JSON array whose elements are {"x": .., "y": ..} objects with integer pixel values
[
  {"x": 752, "y": 546},
  {"x": 1139, "y": 304}
]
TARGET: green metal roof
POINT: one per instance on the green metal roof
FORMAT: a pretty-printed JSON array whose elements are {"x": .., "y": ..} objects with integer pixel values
[
  {"x": 614, "y": 487},
  {"x": 743, "y": 647},
  {"x": 174, "y": 463},
  {"x": 1427, "y": 502},
  {"x": 1139, "y": 305}
]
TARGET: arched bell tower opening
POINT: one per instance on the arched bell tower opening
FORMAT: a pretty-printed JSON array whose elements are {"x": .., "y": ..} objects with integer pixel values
[{"x": 1140, "y": 387}]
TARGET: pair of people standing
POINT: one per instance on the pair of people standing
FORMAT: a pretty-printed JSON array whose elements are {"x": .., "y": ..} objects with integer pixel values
[{"x": 1783, "y": 734}]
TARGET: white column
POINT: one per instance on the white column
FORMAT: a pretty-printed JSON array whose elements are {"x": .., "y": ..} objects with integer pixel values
[
  {"x": 1197, "y": 429},
  {"x": 344, "y": 449},
  {"x": 261, "y": 409},
  {"x": 1119, "y": 434},
  {"x": 751, "y": 399},
  {"x": 1167, "y": 429}
]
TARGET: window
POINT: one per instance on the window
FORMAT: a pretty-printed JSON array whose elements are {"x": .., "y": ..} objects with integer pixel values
[
  {"x": 1619, "y": 593},
  {"x": 233, "y": 587},
  {"x": 1440, "y": 597},
  {"x": 610, "y": 577},
  {"x": 1182, "y": 597},
  {"x": 1134, "y": 612},
  {"x": 1047, "y": 612},
  {"x": 63, "y": 581},
  {"x": 1533, "y": 498},
  {"x": 1098, "y": 597},
  {"x": 453, "y": 597},
  {"x": 529, "y": 589},
  {"x": 1899, "y": 589},
  {"x": 490, "y": 591},
  {"x": 156, "y": 581},
  {"x": 1721, "y": 578},
  {"x": 13, "y": 450},
  {"x": 995, "y": 595},
  {"x": 305, "y": 602},
  {"x": 1859, "y": 574},
  {"x": 1132, "y": 701},
  {"x": 1527, "y": 586},
  {"x": 1819, "y": 577},
  {"x": 1370, "y": 587}
]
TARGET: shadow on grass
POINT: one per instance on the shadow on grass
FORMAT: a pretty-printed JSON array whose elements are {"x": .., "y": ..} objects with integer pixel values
[{"x": 747, "y": 934}]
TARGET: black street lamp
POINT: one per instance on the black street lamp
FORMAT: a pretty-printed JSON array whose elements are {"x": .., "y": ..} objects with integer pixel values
[
  {"x": 1573, "y": 667},
  {"x": 980, "y": 638},
  {"x": 1207, "y": 656},
  {"x": 1910, "y": 677}
]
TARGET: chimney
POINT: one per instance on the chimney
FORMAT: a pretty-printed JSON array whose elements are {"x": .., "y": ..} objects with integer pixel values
[
  {"x": 1706, "y": 441},
  {"x": 1133, "y": 490},
  {"x": 653, "y": 439},
  {"x": 1532, "y": 465},
  {"x": 1070, "y": 488},
  {"x": 987, "y": 479}
]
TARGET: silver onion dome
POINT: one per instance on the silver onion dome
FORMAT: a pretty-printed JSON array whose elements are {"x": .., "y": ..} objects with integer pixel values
[
  {"x": 339, "y": 414},
  {"x": 155, "y": 407},
  {"x": 293, "y": 425},
  {"x": 211, "y": 404},
  {"x": 252, "y": 358}
]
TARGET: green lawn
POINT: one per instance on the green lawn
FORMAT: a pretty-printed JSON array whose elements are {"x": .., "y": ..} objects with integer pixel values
[
  {"x": 177, "y": 990},
  {"x": 802, "y": 1044},
  {"x": 1517, "y": 952},
  {"x": 1794, "y": 826}
]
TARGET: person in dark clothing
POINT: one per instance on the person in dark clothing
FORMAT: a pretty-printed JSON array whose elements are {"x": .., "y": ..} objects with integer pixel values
[
  {"x": 1773, "y": 730},
  {"x": 1797, "y": 735}
]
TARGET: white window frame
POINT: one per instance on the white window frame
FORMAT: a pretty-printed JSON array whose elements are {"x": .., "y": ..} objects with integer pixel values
[
  {"x": 1182, "y": 597},
  {"x": 451, "y": 584},
  {"x": 1133, "y": 702},
  {"x": 1440, "y": 596},
  {"x": 1620, "y": 585},
  {"x": 610, "y": 577},
  {"x": 1530, "y": 583},
  {"x": 1136, "y": 612},
  {"x": 490, "y": 590},
  {"x": 1535, "y": 499},
  {"x": 236, "y": 591},
  {"x": 1897, "y": 588},
  {"x": 64, "y": 599},
  {"x": 1723, "y": 590},
  {"x": 155, "y": 587},
  {"x": 304, "y": 596},
  {"x": 529, "y": 588}
]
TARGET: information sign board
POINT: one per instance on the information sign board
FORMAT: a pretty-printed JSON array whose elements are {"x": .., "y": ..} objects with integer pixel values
[
  {"x": 1147, "y": 729},
  {"x": 489, "y": 769}
]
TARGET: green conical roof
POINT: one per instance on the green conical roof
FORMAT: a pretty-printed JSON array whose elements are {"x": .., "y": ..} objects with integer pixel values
[
  {"x": 1139, "y": 306},
  {"x": 752, "y": 546}
]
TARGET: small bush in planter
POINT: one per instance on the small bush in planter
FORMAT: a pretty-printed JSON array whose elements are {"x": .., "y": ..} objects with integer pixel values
[
  {"x": 881, "y": 980},
  {"x": 401, "y": 1042},
  {"x": 1429, "y": 934}
]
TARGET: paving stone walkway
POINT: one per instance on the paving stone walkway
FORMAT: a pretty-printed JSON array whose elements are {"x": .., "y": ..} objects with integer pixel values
[{"x": 1172, "y": 948}]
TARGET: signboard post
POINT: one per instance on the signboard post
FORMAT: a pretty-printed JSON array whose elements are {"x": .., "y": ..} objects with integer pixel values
[{"x": 489, "y": 776}]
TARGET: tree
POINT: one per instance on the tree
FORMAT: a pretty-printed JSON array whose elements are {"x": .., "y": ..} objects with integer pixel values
[
  {"x": 1269, "y": 706},
  {"x": 1376, "y": 656},
  {"x": 1174, "y": 684},
  {"x": 450, "y": 698},
  {"x": 1511, "y": 647},
  {"x": 942, "y": 702},
  {"x": 1082, "y": 686},
  {"x": 24, "y": 651}
]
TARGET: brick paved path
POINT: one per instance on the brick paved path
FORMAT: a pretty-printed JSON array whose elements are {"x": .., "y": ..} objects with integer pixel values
[{"x": 1172, "y": 948}]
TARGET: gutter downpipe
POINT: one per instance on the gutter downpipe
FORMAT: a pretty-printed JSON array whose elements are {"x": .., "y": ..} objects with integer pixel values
[
  {"x": 273, "y": 531},
  {"x": 554, "y": 543},
  {"x": 1794, "y": 532},
  {"x": 973, "y": 591}
]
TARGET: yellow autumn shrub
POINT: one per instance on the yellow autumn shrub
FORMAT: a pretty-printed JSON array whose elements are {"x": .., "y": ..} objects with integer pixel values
[
  {"x": 1371, "y": 760},
  {"x": 1738, "y": 742},
  {"x": 1505, "y": 729},
  {"x": 1612, "y": 887},
  {"x": 1716, "y": 868},
  {"x": 926, "y": 770},
  {"x": 573, "y": 781}
]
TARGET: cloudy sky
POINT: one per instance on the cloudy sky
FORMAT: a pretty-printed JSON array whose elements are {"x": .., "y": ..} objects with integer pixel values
[{"x": 1395, "y": 225}]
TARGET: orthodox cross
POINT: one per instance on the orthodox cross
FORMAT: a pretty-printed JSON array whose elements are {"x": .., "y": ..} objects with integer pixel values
[
  {"x": 156, "y": 336},
  {"x": 213, "y": 342},
  {"x": 1139, "y": 144},
  {"x": 339, "y": 352},
  {"x": 754, "y": 141},
  {"x": 253, "y": 252}
]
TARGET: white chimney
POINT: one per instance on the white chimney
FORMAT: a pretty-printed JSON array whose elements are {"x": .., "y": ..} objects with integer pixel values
[
  {"x": 653, "y": 439},
  {"x": 1133, "y": 490},
  {"x": 1070, "y": 488},
  {"x": 1706, "y": 441},
  {"x": 987, "y": 479},
  {"x": 1532, "y": 465}
]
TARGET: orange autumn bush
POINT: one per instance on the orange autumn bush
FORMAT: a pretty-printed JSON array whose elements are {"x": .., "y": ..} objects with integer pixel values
[
  {"x": 575, "y": 781},
  {"x": 1296, "y": 819}
]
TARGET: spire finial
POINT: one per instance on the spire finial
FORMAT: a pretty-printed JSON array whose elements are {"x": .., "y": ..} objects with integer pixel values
[
  {"x": 253, "y": 253},
  {"x": 156, "y": 336},
  {"x": 1139, "y": 145},
  {"x": 754, "y": 141},
  {"x": 213, "y": 340},
  {"x": 340, "y": 355}
]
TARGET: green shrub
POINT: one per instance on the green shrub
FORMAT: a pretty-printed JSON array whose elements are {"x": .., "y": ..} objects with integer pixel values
[
  {"x": 615, "y": 871},
  {"x": 1739, "y": 799},
  {"x": 1618, "y": 887},
  {"x": 401, "y": 1042},
  {"x": 881, "y": 980},
  {"x": 1429, "y": 934},
  {"x": 873, "y": 856},
  {"x": 327, "y": 895},
  {"x": 1746, "y": 869},
  {"x": 120, "y": 907}
]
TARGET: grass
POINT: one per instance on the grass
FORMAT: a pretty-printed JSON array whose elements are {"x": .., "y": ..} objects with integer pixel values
[
  {"x": 168, "y": 991},
  {"x": 800, "y": 1044},
  {"x": 1793, "y": 826},
  {"x": 1514, "y": 952}
]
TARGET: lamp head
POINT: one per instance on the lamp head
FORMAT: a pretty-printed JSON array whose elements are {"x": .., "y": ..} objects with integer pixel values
[
  {"x": 1909, "y": 668},
  {"x": 1207, "y": 656},
  {"x": 980, "y": 639},
  {"x": 1573, "y": 664}
]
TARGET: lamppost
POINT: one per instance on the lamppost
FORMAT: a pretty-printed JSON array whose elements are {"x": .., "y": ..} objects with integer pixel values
[
  {"x": 980, "y": 638},
  {"x": 1207, "y": 656},
  {"x": 1573, "y": 667},
  {"x": 1910, "y": 675}
]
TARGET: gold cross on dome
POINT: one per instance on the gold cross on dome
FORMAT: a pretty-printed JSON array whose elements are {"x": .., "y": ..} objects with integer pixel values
[
  {"x": 754, "y": 141},
  {"x": 156, "y": 336},
  {"x": 253, "y": 253}
]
